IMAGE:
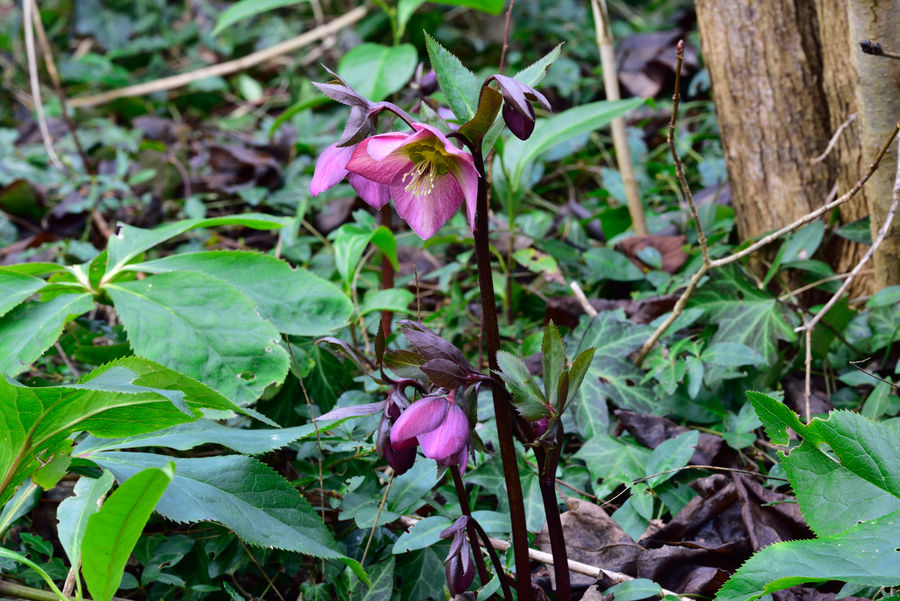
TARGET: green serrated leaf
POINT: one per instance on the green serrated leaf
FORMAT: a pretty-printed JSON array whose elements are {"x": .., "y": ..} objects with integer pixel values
[
  {"x": 776, "y": 417},
  {"x": 73, "y": 513},
  {"x": 15, "y": 287},
  {"x": 131, "y": 241},
  {"x": 204, "y": 328},
  {"x": 37, "y": 421},
  {"x": 296, "y": 301},
  {"x": 527, "y": 397},
  {"x": 672, "y": 454},
  {"x": 112, "y": 532},
  {"x": 553, "y": 361},
  {"x": 242, "y": 494},
  {"x": 744, "y": 313},
  {"x": 865, "y": 554},
  {"x": 459, "y": 85},
  {"x": 30, "y": 329}
]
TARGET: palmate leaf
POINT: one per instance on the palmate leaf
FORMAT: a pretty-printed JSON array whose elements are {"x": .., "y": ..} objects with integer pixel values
[
  {"x": 744, "y": 313},
  {"x": 296, "y": 301},
  {"x": 242, "y": 494},
  {"x": 845, "y": 470},
  {"x": 202, "y": 327},
  {"x": 123, "y": 398},
  {"x": 867, "y": 554}
]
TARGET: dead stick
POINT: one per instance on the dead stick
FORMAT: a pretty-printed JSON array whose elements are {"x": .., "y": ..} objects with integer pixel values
[{"x": 226, "y": 68}]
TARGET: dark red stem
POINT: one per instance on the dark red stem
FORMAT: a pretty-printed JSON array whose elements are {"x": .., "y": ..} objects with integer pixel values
[
  {"x": 547, "y": 461},
  {"x": 387, "y": 272}
]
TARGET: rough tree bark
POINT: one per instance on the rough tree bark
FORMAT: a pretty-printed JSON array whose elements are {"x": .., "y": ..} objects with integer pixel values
[
  {"x": 784, "y": 75},
  {"x": 878, "y": 99}
]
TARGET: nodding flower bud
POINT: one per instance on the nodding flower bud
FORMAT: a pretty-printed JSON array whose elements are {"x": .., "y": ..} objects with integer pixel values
[
  {"x": 517, "y": 110},
  {"x": 459, "y": 567}
]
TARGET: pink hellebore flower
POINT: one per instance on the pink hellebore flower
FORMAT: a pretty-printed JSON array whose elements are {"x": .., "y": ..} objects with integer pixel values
[
  {"x": 331, "y": 169},
  {"x": 428, "y": 176},
  {"x": 439, "y": 425}
]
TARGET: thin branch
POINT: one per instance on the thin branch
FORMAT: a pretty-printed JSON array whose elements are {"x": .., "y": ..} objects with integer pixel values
[
  {"x": 19, "y": 591},
  {"x": 620, "y": 139},
  {"x": 547, "y": 558},
  {"x": 27, "y": 10},
  {"x": 503, "y": 50},
  {"x": 582, "y": 299},
  {"x": 834, "y": 140},
  {"x": 875, "y": 49},
  {"x": 50, "y": 64},
  {"x": 226, "y": 68},
  {"x": 882, "y": 234},
  {"x": 873, "y": 375}
]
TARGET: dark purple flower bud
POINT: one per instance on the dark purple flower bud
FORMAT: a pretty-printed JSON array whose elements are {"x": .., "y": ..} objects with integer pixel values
[
  {"x": 540, "y": 426},
  {"x": 459, "y": 566},
  {"x": 517, "y": 110},
  {"x": 400, "y": 461},
  {"x": 431, "y": 346},
  {"x": 429, "y": 84}
]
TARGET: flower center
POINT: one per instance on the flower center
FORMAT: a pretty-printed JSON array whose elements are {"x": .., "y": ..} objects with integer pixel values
[{"x": 429, "y": 162}]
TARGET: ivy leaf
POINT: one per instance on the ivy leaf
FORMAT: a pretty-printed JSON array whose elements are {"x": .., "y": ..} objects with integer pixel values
[
  {"x": 866, "y": 554},
  {"x": 422, "y": 573},
  {"x": 744, "y": 313},
  {"x": 113, "y": 531},
  {"x": 424, "y": 533},
  {"x": 672, "y": 454},
  {"x": 244, "y": 495},
  {"x": 296, "y": 301},
  {"x": 202, "y": 327}
]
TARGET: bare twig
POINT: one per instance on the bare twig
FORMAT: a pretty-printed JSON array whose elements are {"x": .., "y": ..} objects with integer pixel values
[
  {"x": 19, "y": 591},
  {"x": 65, "y": 359},
  {"x": 50, "y": 64},
  {"x": 226, "y": 68},
  {"x": 582, "y": 299},
  {"x": 27, "y": 18},
  {"x": 811, "y": 323},
  {"x": 620, "y": 139},
  {"x": 503, "y": 50},
  {"x": 547, "y": 558},
  {"x": 834, "y": 140},
  {"x": 875, "y": 49}
]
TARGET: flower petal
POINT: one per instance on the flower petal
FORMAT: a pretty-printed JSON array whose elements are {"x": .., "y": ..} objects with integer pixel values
[
  {"x": 376, "y": 195},
  {"x": 422, "y": 416},
  {"x": 465, "y": 173},
  {"x": 449, "y": 437},
  {"x": 375, "y": 158},
  {"x": 330, "y": 168},
  {"x": 426, "y": 213}
]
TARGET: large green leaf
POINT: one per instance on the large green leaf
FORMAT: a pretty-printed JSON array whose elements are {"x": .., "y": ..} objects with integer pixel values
[
  {"x": 459, "y": 85},
  {"x": 613, "y": 462},
  {"x": 672, "y": 454},
  {"x": 296, "y": 301},
  {"x": 376, "y": 71},
  {"x": 423, "y": 533},
  {"x": 123, "y": 398},
  {"x": 845, "y": 470},
  {"x": 867, "y": 554},
  {"x": 15, "y": 287},
  {"x": 518, "y": 154},
  {"x": 113, "y": 531},
  {"x": 422, "y": 573},
  {"x": 611, "y": 375},
  {"x": 744, "y": 313},
  {"x": 30, "y": 329},
  {"x": 244, "y": 9},
  {"x": 73, "y": 513},
  {"x": 203, "y": 431},
  {"x": 131, "y": 241},
  {"x": 238, "y": 492},
  {"x": 203, "y": 327}
]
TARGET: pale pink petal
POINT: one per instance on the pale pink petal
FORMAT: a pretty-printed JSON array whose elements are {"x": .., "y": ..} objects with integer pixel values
[
  {"x": 384, "y": 170},
  {"x": 382, "y": 145},
  {"x": 427, "y": 213},
  {"x": 448, "y": 438},
  {"x": 422, "y": 416},
  {"x": 376, "y": 195},
  {"x": 467, "y": 176},
  {"x": 330, "y": 168}
]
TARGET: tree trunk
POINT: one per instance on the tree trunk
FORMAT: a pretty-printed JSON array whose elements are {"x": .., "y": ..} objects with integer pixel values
[
  {"x": 878, "y": 98},
  {"x": 765, "y": 63}
]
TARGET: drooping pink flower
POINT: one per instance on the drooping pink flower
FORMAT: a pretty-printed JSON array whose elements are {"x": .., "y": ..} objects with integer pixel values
[
  {"x": 439, "y": 425},
  {"x": 429, "y": 177},
  {"x": 331, "y": 168}
]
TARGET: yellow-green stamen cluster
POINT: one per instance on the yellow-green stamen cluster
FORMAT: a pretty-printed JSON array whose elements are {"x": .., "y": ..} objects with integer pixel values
[{"x": 429, "y": 161}]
